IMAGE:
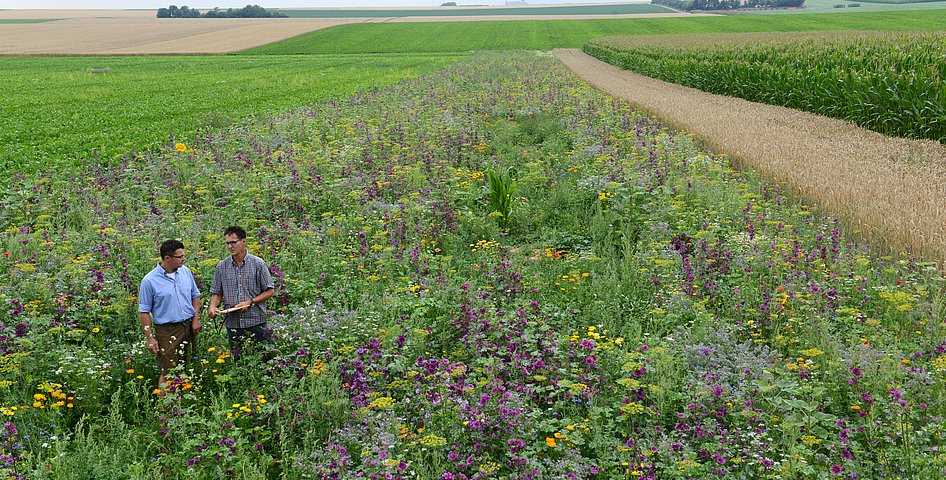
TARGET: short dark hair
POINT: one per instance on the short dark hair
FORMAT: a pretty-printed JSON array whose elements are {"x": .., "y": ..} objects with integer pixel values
[
  {"x": 169, "y": 247},
  {"x": 235, "y": 230}
]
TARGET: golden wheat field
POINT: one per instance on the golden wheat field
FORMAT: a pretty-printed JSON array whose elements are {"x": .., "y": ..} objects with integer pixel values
[{"x": 891, "y": 190}]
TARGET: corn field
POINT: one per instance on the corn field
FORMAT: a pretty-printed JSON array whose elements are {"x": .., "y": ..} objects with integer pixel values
[{"x": 889, "y": 83}]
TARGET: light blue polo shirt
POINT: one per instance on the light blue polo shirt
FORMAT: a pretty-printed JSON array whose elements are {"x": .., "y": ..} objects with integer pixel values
[{"x": 167, "y": 299}]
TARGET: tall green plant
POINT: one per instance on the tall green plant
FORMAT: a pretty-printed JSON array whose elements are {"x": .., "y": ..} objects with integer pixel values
[{"x": 501, "y": 189}]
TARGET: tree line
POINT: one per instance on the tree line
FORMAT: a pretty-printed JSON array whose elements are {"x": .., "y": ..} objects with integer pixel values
[
  {"x": 249, "y": 11},
  {"x": 688, "y": 5}
]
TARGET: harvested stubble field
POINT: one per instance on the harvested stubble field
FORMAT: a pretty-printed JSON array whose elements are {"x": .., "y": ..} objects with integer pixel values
[
  {"x": 147, "y": 36},
  {"x": 891, "y": 189}
]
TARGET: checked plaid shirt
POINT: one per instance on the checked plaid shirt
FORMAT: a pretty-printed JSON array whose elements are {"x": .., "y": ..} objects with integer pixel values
[{"x": 240, "y": 283}]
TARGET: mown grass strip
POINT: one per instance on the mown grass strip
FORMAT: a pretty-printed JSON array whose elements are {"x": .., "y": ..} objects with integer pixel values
[
  {"x": 618, "y": 9},
  {"x": 60, "y": 110},
  {"x": 438, "y": 37}
]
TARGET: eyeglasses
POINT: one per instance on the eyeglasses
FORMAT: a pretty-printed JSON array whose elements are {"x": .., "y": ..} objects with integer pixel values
[{"x": 232, "y": 242}]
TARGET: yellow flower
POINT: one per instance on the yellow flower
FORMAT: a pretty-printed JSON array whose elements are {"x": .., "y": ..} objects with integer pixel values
[
  {"x": 96, "y": 330},
  {"x": 432, "y": 440},
  {"x": 812, "y": 352},
  {"x": 550, "y": 442},
  {"x": 130, "y": 371},
  {"x": 810, "y": 440},
  {"x": 180, "y": 147}
]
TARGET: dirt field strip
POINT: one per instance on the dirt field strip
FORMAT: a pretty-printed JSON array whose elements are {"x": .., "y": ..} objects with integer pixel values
[
  {"x": 141, "y": 36},
  {"x": 893, "y": 190}
]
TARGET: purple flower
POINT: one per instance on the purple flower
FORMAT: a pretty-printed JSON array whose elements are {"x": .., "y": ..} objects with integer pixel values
[{"x": 836, "y": 469}]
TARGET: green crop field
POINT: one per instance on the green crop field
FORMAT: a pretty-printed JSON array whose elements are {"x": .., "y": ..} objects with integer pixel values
[
  {"x": 889, "y": 83},
  {"x": 543, "y": 35},
  {"x": 616, "y": 9},
  {"x": 59, "y": 110},
  {"x": 15, "y": 20},
  {"x": 835, "y": 6}
]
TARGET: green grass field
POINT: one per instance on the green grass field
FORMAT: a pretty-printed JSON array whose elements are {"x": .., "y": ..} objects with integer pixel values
[
  {"x": 616, "y": 9},
  {"x": 57, "y": 111},
  {"x": 11, "y": 20},
  {"x": 544, "y": 35},
  {"x": 825, "y": 6}
]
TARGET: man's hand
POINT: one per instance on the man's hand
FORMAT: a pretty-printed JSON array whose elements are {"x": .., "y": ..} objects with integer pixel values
[
  {"x": 196, "y": 327},
  {"x": 213, "y": 311},
  {"x": 152, "y": 345},
  {"x": 244, "y": 305}
]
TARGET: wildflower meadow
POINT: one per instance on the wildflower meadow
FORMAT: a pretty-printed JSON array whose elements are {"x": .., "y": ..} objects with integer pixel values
[{"x": 491, "y": 271}]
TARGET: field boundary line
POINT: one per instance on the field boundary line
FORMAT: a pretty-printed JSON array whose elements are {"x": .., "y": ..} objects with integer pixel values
[{"x": 890, "y": 190}]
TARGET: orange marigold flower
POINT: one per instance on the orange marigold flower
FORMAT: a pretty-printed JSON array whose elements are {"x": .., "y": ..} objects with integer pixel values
[{"x": 550, "y": 442}]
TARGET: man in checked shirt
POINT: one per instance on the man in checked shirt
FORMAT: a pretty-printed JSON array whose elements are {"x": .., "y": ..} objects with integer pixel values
[{"x": 241, "y": 281}]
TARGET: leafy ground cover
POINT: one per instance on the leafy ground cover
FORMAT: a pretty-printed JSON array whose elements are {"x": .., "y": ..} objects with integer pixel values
[
  {"x": 433, "y": 37},
  {"x": 63, "y": 110},
  {"x": 493, "y": 271},
  {"x": 612, "y": 9},
  {"x": 892, "y": 84}
]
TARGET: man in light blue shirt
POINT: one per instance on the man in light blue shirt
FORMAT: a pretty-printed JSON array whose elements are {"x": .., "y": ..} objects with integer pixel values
[{"x": 169, "y": 309}]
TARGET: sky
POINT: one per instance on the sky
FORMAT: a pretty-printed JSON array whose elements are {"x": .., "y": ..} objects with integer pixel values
[{"x": 153, "y": 4}]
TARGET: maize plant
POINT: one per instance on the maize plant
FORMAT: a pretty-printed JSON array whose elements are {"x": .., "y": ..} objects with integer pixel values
[
  {"x": 501, "y": 189},
  {"x": 890, "y": 83}
]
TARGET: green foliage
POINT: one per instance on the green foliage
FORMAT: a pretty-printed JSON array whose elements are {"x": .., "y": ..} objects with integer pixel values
[
  {"x": 892, "y": 84},
  {"x": 70, "y": 111},
  {"x": 619, "y": 9},
  {"x": 502, "y": 187},
  {"x": 249, "y": 11},
  {"x": 438, "y": 37}
]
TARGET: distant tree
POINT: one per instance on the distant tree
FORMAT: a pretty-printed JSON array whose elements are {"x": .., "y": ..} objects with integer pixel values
[
  {"x": 188, "y": 12},
  {"x": 448, "y": 4},
  {"x": 249, "y": 11}
]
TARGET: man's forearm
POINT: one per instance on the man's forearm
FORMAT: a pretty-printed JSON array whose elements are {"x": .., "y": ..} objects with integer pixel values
[
  {"x": 145, "y": 320},
  {"x": 265, "y": 295}
]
